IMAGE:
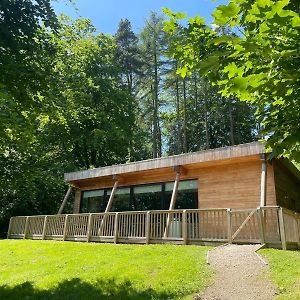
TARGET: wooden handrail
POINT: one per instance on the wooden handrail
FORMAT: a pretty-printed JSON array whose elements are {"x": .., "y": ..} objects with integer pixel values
[{"x": 186, "y": 226}]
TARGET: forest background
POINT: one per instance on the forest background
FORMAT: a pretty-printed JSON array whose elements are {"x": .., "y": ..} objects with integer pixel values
[{"x": 72, "y": 98}]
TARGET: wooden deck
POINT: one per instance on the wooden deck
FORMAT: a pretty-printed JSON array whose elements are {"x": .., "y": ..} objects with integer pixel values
[{"x": 272, "y": 225}]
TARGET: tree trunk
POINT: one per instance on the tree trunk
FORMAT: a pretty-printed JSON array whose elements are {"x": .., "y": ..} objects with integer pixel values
[
  {"x": 231, "y": 122},
  {"x": 207, "y": 141},
  {"x": 177, "y": 136},
  {"x": 184, "y": 118}
]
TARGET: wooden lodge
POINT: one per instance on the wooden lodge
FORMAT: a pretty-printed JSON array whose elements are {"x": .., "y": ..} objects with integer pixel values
[{"x": 225, "y": 195}]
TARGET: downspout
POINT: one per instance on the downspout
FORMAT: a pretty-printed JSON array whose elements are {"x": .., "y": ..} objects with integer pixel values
[{"x": 263, "y": 181}]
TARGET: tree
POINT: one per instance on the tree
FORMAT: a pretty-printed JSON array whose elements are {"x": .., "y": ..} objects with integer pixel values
[
  {"x": 152, "y": 37},
  {"x": 258, "y": 65},
  {"x": 25, "y": 61},
  {"x": 84, "y": 118},
  {"x": 127, "y": 53},
  {"x": 95, "y": 115}
]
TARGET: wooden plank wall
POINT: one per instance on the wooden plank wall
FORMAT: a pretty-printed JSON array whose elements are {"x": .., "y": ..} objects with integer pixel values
[
  {"x": 231, "y": 184},
  {"x": 234, "y": 186}
]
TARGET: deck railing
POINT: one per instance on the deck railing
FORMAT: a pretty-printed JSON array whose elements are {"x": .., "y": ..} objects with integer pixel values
[{"x": 271, "y": 225}]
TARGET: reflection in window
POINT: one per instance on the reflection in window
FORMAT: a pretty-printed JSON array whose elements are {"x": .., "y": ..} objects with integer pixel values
[
  {"x": 121, "y": 201},
  {"x": 93, "y": 201},
  {"x": 142, "y": 197},
  {"x": 147, "y": 197},
  {"x": 187, "y": 196}
]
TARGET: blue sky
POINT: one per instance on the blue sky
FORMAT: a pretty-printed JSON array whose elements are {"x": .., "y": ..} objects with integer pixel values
[{"x": 106, "y": 14}]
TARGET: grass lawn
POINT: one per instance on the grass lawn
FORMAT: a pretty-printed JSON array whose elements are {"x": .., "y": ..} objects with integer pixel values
[
  {"x": 68, "y": 270},
  {"x": 285, "y": 272}
]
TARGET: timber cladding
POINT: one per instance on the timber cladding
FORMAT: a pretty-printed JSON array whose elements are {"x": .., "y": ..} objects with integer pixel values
[
  {"x": 230, "y": 184},
  {"x": 212, "y": 155},
  {"x": 234, "y": 186}
]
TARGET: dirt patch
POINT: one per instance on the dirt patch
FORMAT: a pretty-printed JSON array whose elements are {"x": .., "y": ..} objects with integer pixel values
[{"x": 240, "y": 275}]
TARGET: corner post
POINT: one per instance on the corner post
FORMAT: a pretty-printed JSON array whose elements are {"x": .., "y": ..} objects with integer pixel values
[
  {"x": 26, "y": 227},
  {"x": 147, "y": 229},
  {"x": 229, "y": 226},
  {"x": 116, "y": 228},
  {"x": 260, "y": 219},
  {"x": 297, "y": 221},
  {"x": 44, "y": 228},
  {"x": 184, "y": 227},
  {"x": 89, "y": 229},
  {"x": 9, "y": 228},
  {"x": 65, "y": 227},
  {"x": 281, "y": 228}
]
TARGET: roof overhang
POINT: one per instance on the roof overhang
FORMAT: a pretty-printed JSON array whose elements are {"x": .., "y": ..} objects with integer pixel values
[{"x": 212, "y": 155}]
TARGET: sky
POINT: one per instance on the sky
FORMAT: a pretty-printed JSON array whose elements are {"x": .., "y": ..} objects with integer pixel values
[{"x": 106, "y": 14}]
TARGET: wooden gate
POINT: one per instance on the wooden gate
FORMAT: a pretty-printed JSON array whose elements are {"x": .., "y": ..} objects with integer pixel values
[{"x": 246, "y": 226}]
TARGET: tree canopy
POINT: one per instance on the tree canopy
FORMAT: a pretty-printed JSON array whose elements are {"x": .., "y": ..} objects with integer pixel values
[{"x": 254, "y": 56}]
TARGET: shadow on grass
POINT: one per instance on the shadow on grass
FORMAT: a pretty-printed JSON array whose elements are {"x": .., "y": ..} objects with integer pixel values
[{"x": 76, "y": 289}]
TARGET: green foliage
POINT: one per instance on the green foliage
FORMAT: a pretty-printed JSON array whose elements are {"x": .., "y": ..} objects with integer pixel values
[
  {"x": 256, "y": 61},
  {"x": 285, "y": 272},
  {"x": 79, "y": 116},
  {"x": 94, "y": 114},
  {"x": 65, "y": 270}
]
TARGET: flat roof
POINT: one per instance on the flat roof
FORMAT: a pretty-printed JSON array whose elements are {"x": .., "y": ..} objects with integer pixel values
[{"x": 223, "y": 153}]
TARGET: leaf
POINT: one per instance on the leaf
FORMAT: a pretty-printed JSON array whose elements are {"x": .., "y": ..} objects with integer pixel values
[{"x": 224, "y": 13}]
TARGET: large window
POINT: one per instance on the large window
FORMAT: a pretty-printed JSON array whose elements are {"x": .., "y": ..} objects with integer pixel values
[
  {"x": 142, "y": 197},
  {"x": 148, "y": 197},
  {"x": 187, "y": 196},
  {"x": 121, "y": 201},
  {"x": 93, "y": 201}
]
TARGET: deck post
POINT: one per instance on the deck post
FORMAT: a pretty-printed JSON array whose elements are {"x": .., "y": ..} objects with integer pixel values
[
  {"x": 173, "y": 199},
  {"x": 263, "y": 181},
  {"x": 9, "y": 228},
  {"x": 281, "y": 228},
  {"x": 229, "y": 226},
  {"x": 297, "y": 228},
  {"x": 26, "y": 227},
  {"x": 63, "y": 204},
  {"x": 147, "y": 229},
  {"x": 260, "y": 218},
  {"x": 116, "y": 228},
  {"x": 89, "y": 229},
  {"x": 44, "y": 228},
  {"x": 184, "y": 227},
  {"x": 65, "y": 227}
]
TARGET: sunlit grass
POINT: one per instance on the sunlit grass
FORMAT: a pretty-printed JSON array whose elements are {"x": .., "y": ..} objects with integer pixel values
[
  {"x": 285, "y": 272},
  {"x": 68, "y": 270}
]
